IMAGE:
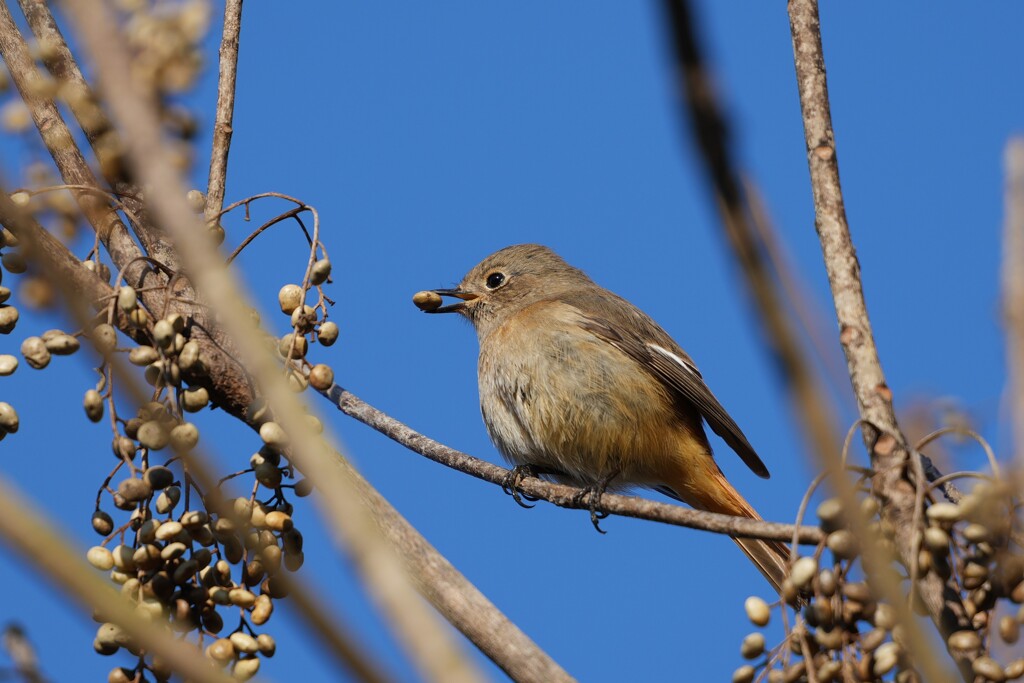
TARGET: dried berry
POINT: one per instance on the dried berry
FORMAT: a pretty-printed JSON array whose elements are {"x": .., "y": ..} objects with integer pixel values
[
  {"x": 427, "y": 300},
  {"x": 321, "y": 377},
  {"x": 328, "y": 333},
  {"x": 289, "y": 298},
  {"x": 93, "y": 404},
  {"x": 35, "y": 352}
]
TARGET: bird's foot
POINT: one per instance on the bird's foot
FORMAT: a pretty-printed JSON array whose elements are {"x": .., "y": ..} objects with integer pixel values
[
  {"x": 592, "y": 495},
  {"x": 510, "y": 484}
]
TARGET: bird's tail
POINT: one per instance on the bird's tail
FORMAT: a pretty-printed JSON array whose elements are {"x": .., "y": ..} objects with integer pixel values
[{"x": 770, "y": 557}]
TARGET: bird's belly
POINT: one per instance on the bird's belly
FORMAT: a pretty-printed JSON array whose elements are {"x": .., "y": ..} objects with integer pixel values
[{"x": 577, "y": 406}]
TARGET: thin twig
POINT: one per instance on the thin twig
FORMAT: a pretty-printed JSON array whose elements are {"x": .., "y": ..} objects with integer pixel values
[
  {"x": 225, "y": 108},
  {"x": 22, "y": 653},
  {"x": 1013, "y": 289},
  {"x": 882, "y": 436},
  {"x": 567, "y": 496},
  {"x": 290, "y": 213}
]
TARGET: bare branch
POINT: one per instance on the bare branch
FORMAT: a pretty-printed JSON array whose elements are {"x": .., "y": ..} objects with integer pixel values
[
  {"x": 340, "y": 643},
  {"x": 568, "y": 496},
  {"x": 58, "y": 140},
  {"x": 27, "y": 532},
  {"x": 430, "y": 644},
  {"x": 61, "y": 63},
  {"x": 53, "y": 257},
  {"x": 19, "y": 648},
  {"x": 225, "y": 108},
  {"x": 810, "y": 403},
  {"x": 453, "y": 596},
  {"x": 1013, "y": 288},
  {"x": 885, "y": 442}
]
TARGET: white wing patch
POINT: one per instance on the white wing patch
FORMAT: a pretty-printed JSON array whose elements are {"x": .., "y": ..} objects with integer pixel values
[{"x": 686, "y": 365}]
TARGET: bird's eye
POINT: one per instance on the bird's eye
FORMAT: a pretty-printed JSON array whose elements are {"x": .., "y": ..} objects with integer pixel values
[{"x": 495, "y": 280}]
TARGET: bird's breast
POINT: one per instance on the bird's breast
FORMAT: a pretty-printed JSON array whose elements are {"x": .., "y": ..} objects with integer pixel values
[{"x": 554, "y": 395}]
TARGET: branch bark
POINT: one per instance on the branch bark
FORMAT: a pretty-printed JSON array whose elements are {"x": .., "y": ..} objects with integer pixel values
[
  {"x": 225, "y": 109},
  {"x": 1013, "y": 289},
  {"x": 882, "y": 436},
  {"x": 61, "y": 64},
  {"x": 61, "y": 144}
]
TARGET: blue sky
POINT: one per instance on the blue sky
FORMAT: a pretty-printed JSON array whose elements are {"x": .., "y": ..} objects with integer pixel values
[{"x": 430, "y": 134}]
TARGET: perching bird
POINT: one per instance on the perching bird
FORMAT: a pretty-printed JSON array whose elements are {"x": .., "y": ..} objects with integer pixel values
[{"x": 578, "y": 384}]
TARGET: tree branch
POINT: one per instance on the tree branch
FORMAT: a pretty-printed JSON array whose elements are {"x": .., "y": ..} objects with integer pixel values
[
  {"x": 22, "y": 653},
  {"x": 330, "y": 631},
  {"x": 80, "y": 286},
  {"x": 61, "y": 64},
  {"x": 349, "y": 496},
  {"x": 809, "y": 402},
  {"x": 225, "y": 108},
  {"x": 566, "y": 496},
  {"x": 458, "y": 600},
  {"x": 885, "y": 442},
  {"x": 28, "y": 533},
  {"x": 61, "y": 144},
  {"x": 1013, "y": 289}
]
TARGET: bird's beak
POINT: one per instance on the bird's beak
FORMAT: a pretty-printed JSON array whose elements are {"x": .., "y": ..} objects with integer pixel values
[{"x": 458, "y": 294}]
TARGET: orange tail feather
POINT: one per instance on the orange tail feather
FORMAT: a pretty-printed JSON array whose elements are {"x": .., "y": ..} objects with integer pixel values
[{"x": 716, "y": 494}]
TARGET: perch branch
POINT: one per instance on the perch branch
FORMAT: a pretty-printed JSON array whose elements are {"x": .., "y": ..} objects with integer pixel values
[{"x": 566, "y": 496}]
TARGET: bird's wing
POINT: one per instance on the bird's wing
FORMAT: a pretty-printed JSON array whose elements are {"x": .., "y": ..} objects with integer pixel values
[{"x": 640, "y": 338}]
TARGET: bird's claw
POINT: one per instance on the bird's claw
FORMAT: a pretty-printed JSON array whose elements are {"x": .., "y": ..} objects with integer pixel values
[
  {"x": 510, "y": 484},
  {"x": 593, "y": 494}
]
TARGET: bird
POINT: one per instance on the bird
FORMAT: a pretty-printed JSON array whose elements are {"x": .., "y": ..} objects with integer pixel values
[{"x": 580, "y": 386}]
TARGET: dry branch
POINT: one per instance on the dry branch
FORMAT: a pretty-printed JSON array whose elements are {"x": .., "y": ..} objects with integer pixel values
[
  {"x": 339, "y": 641},
  {"x": 26, "y": 531},
  {"x": 61, "y": 64},
  {"x": 1013, "y": 289},
  {"x": 346, "y": 512},
  {"x": 60, "y": 143},
  {"x": 567, "y": 496},
  {"x": 225, "y": 108},
  {"x": 810, "y": 403},
  {"x": 885, "y": 442}
]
